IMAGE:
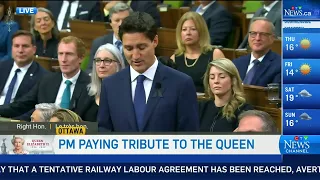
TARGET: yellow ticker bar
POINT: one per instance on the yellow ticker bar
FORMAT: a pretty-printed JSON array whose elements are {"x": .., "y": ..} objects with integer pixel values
[{"x": 79, "y": 130}]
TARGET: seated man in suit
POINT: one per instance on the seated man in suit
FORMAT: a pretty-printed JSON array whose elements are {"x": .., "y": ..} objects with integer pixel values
[
  {"x": 67, "y": 88},
  {"x": 83, "y": 10},
  {"x": 256, "y": 121},
  {"x": 262, "y": 66},
  {"x": 117, "y": 13},
  {"x": 147, "y": 96},
  {"x": 149, "y": 7},
  {"x": 218, "y": 19},
  {"x": 272, "y": 11},
  {"x": 19, "y": 75}
]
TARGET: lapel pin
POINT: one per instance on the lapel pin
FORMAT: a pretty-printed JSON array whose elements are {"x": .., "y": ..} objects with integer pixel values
[{"x": 31, "y": 74}]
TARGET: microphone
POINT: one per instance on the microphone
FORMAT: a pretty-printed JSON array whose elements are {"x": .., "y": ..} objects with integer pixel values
[{"x": 158, "y": 89}]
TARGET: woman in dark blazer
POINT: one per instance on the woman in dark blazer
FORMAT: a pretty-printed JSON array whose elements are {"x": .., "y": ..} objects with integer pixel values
[
  {"x": 223, "y": 84},
  {"x": 45, "y": 31},
  {"x": 7, "y": 28}
]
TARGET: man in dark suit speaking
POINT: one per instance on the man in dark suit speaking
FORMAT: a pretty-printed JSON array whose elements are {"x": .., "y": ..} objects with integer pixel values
[
  {"x": 67, "y": 89},
  {"x": 147, "y": 96}
]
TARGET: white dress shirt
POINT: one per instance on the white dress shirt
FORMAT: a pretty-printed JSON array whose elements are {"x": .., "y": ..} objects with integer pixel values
[
  {"x": 20, "y": 76},
  {"x": 147, "y": 83},
  {"x": 251, "y": 64},
  {"x": 63, "y": 86},
  {"x": 63, "y": 11},
  {"x": 269, "y": 7},
  {"x": 201, "y": 10}
]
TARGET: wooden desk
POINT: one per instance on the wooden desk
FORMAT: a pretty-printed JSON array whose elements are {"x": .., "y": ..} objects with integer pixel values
[
  {"x": 277, "y": 47},
  {"x": 23, "y": 21},
  {"x": 167, "y": 42},
  {"x": 3, "y": 119},
  {"x": 88, "y": 31},
  {"x": 47, "y": 63},
  {"x": 257, "y": 96}
]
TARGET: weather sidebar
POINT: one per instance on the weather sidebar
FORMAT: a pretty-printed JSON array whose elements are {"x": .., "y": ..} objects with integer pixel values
[{"x": 301, "y": 69}]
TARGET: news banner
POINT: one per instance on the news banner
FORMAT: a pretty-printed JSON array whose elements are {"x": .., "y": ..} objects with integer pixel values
[{"x": 76, "y": 150}]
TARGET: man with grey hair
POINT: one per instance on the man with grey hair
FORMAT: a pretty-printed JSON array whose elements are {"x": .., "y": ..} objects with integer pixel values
[
  {"x": 117, "y": 13},
  {"x": 262, "y": 66},
  {"x": 256, "y": 121},
  {"x": 272, "y": 11},
  {"x": 43, "y": 112}
]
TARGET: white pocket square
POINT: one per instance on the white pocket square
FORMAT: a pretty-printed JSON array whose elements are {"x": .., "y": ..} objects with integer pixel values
[{"x": 83, "y": 12}]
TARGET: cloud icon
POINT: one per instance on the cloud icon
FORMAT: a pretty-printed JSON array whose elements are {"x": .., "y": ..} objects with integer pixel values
[
  {"x": 305, "y": 93},
  {"x": 305, "y": 116}
]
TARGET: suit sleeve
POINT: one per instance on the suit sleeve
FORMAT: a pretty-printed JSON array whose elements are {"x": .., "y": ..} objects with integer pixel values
[
  {"x": 278, "y": 27},
  {"x": 188, "y": 108},
  {"x": 104, "y": 119},
  {"x": 220, "y": 28},
  {"x": 96, "y": 14},
  {"x": 21, "y": 106},
  {"x": 91, "y": 112},
  {"x": 151, "y": 8},
  {"x": 94, "y": 48},
  {"x": 277, "y": 78}
]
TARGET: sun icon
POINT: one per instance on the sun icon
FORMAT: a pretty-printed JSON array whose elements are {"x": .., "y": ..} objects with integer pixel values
[
  {"x": 305, "y": 43},
  {"x": 305, "y": 69}
]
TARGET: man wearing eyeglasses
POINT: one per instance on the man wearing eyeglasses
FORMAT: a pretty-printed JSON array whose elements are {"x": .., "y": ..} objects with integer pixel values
[
  {"x": 272, "y": 11},
  {"x": 117, "y": 13},
  {"x": 262, "y": 66}
]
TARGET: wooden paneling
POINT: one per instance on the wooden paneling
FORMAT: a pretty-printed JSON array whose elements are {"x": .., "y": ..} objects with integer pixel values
[
  {"x": 47, "y": 63},
  {"x": 23, "y": 21},
  {"x": 88, "y": 31},
  {"x": 167, "y": 42}
]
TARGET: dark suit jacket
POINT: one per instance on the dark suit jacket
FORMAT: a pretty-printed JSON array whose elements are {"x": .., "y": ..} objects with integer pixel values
[
  {"x": 144, "y": 6},
  {"x": 147, "y": 7},
  {"x": 46, "y": 90},
  {"x": 269, "y": 70},
  {"x": 95, "y": 45},
  {"x": 87, "y": 10},
  {"x": 172, "y": 107},
  {"x": 274, "y": 16},
  {"x": 33, "y": 75},
  {"x": 219, "y": 22}
]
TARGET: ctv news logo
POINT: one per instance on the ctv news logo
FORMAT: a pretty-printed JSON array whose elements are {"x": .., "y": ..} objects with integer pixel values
[
  {"x": 298, "y": 145},
  {"x": 26, "y": 10},
  {"x": 296, "y": 11}
]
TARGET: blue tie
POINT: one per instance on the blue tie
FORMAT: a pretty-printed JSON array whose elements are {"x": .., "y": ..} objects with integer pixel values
[
  {"x": 251, "y": 73},
  {"x": 65, "y": 101},
  {"x": 119, "y": 44},
  {"x": 140, "y": 100},
  {"x": 11, "y": 87}
]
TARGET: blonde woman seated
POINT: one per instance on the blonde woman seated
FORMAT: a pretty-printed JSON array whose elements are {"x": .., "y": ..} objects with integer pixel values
[
  {"x": 107, "y": 61},
  {"x": 194, "y": 49},
  {"x": 224, "y": 87},
  {"x": 17, "y": 143},
  {"x": 65, "y": 115}
]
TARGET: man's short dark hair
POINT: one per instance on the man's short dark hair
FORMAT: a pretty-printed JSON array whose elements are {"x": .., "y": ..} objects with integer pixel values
[
  {"x": 24, "y": 33},
  {"x": 139, "y": 22}
]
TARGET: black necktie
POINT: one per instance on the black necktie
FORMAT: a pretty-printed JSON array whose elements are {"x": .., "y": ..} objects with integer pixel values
[
  {"x": 140, "y": 100},
  {"x": 66, "y": 17},
  {"x": 251, "y": 73},
  {"x": 11, "y": 87}
]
